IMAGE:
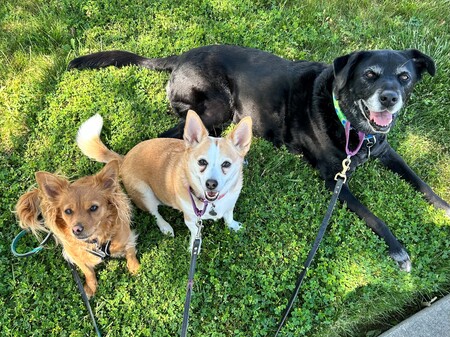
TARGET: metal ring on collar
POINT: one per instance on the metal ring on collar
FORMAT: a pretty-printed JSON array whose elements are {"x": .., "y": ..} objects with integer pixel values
[{"x": 31, "y": 252}]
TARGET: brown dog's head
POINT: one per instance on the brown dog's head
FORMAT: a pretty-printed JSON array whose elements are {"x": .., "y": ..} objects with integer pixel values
[{"x": 85, "y": 209}]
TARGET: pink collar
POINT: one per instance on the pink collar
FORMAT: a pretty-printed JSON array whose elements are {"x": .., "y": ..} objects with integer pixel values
[{"x": 197, "y": 211}]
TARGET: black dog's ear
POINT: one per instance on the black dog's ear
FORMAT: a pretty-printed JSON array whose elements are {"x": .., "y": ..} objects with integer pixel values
[
  {"x": 421, "y": 61},
  {"x": 343, "y": 68}
]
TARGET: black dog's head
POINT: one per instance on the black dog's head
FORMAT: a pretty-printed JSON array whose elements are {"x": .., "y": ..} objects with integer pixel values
[{"x": 372, "y": 86}]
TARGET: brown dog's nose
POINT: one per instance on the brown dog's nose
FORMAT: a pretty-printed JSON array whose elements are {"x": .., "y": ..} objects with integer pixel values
[
  {"x": 211, "y": 184},
  {"x": 77, "y": 229}
]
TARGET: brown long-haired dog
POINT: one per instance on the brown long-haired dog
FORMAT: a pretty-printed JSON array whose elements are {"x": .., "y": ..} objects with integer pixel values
[{"x": 90, "y": 218}]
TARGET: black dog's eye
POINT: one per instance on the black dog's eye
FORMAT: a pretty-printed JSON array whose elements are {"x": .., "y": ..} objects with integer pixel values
[
  {"x": 68, "y": 211},
  {"x": 93, "y": 208},
  {"x": 371, "y": 75},
  {"x": 404, "y": 77},
  {"x": 202, "y": 162},
  {"x": 226, "y": 164}
]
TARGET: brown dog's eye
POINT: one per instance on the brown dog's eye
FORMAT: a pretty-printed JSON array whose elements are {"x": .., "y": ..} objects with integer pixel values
[
  {"x": 68, "y": 211},
  {"x": 93, "y": 208},
  {"x": 226, "y": 164}
]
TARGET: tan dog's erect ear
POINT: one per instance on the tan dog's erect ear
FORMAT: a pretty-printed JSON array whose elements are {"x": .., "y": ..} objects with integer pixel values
[
  {"x": 194, "y": 130},
  {"x": 109, "y": 175},
  {"x": 241, "y": 136},
  {"x": 50, "y": 184}
]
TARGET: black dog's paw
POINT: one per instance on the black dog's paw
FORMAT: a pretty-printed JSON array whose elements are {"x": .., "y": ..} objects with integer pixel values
[{"x": 402, "y": 259}]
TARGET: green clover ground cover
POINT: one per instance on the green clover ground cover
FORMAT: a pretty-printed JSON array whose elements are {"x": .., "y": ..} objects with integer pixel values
[{"x": 243, "y": 279}]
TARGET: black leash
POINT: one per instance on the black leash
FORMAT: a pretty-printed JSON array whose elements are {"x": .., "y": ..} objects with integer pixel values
[
  {"x": 312, "y": 252},
  {"x": 84, "y": 296},
  {"x": 190, "y": 284},
  {"x": 102, "y": 252},
  {"x": 340, "y": 178}
]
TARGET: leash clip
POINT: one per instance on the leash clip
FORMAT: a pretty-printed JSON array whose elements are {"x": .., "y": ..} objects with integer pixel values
[
  {"x": 345, "y": 167},
  {"x": 199, "y": 224},
  {"x": 370, "y": 142}
]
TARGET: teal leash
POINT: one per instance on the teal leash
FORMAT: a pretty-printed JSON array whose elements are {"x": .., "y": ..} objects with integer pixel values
[{"x": 15, "y": 242}]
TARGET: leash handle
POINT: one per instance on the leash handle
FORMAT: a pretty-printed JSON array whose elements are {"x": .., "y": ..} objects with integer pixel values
[
  {"x": 313, "y": 251},
  {"x": 15, "y": 242}
]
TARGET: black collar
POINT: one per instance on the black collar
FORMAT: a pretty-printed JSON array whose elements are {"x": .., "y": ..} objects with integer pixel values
[{"x": 102, "y": 251}]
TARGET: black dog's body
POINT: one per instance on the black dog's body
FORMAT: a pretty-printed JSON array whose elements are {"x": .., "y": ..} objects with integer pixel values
[{"x": 291, "y": 103}]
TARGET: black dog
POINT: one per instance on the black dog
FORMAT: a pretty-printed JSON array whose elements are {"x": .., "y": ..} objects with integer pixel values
[{"x": 291, "y": 103}]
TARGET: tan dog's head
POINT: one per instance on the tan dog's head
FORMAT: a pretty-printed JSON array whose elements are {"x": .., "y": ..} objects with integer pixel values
[
  {"x": 215, "y": 164},
  {"x": 85, "y": 209}
]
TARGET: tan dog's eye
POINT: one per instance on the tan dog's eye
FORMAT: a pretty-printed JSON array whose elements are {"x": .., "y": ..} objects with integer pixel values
[
  {"x": 226, "y": 164},
  {"x": 68, "y": 211},
  {"x": 202, "y": 162},
  {"x": 93, "y": 208}
]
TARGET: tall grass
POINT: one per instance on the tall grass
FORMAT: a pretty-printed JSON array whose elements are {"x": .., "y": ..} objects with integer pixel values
[{"x": 243, "y": 279}]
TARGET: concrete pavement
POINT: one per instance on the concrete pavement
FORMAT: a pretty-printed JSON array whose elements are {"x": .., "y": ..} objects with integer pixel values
[{"x": 433, "y": 321}]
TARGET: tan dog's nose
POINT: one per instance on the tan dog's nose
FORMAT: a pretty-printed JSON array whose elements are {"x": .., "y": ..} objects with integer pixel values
[{"x": 211, "y": 184}]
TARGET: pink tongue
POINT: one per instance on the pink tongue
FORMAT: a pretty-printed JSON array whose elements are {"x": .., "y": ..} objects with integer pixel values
[{"x": 382, "y": 118}]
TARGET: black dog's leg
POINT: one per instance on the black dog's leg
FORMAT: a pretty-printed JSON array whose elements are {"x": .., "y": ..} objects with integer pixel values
[
  {"x": 395, "y": 163},
  {"x": 396, "y": 250}
]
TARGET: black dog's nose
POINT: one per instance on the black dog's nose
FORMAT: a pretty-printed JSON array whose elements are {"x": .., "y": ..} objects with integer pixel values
[
  {"x": 211, "y": 184},
  {"x": 388, "y": 98},
  {"x": 77, "y": 229}
]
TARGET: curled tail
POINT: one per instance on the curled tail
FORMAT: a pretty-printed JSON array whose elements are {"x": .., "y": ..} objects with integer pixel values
[
  {"x": 88, "y": 140},
  {"x": 119, "y": 58}
]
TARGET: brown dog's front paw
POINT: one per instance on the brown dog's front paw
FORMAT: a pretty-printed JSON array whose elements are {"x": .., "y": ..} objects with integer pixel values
[
  {"x": 133, "y": 266},
  {"x": 89, "y": 292}
]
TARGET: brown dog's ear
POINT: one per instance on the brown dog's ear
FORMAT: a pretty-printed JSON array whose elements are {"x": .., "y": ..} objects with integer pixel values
[
  {"x": 421, "y": 61},
  {"x": 241, "y": 136},
  {"x": 51, "y": 185},
  {"x": 194, "y": 130},
  {"x": 109, "y": 175}
]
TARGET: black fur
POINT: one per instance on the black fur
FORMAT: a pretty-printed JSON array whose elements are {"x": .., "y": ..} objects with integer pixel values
[{"x": 291, "y": 103}]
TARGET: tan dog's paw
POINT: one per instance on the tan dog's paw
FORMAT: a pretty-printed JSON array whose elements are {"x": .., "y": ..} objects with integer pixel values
[
  {"x": 235, "y": 225},
  {"x": 165, "y": 228}
]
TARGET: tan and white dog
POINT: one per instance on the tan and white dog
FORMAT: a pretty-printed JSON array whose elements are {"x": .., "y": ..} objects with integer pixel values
[{"x": 199, "y": 175}]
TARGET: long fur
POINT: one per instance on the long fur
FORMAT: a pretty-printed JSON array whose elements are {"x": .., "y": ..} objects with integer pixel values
[{"x": 43, "y": 210}]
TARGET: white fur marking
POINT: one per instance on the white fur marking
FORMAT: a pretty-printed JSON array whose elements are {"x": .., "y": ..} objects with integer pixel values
[{"x": 90, "y": 129}]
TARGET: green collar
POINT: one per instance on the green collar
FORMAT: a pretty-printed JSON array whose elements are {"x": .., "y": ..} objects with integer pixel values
[
  {"x": 342, "y": 117},
  {"x": 339, "y": 112}
]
